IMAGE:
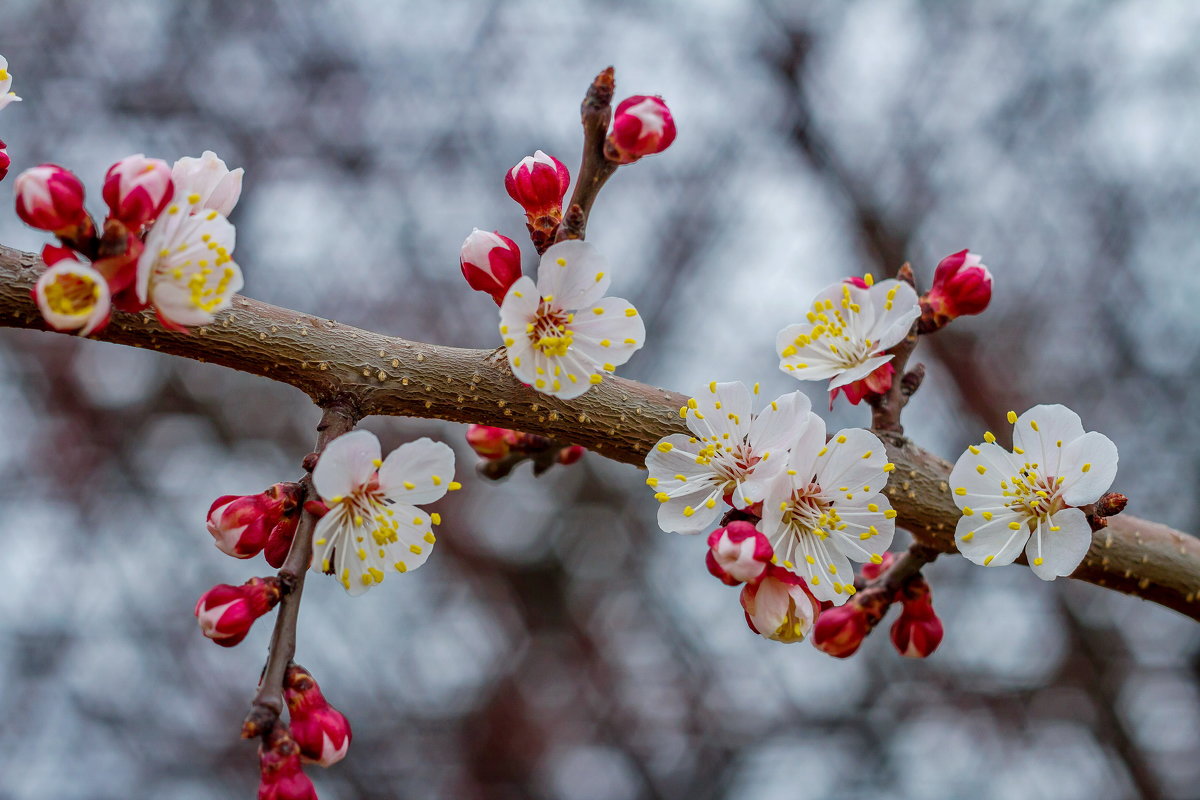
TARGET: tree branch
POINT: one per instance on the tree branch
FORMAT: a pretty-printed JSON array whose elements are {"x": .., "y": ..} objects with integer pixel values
[{"x": 621, "y": 419}]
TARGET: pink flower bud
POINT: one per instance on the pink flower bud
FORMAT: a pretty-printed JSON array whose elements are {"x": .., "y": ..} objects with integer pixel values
[
  {"x": 571, "y": 454},
  {"x": 490, "y": 262},
  {"x": 738, "y": 553},
  {"x": 279, "y": 540},
  {"x": 872, "y": 571},
  {"x": 489, "y": 442},
  {"x": 961, "y": 285},
  {"x": 642, "y": 126},
  {"x": 539, "y": 183},
  {"x": 5, "y": 161},
  {"x": 50, "y": 198},
  {"x": 840, "y": 630},
  {"x": 877, "y": 383},
  {"x": 321, "y": 731},
  {"x": 281, "y": 775},
  {"x": 226, "y": 613},
  {"x": 779, "y": 607},
  {"x": 136, "y": 189},
  {"x": 241, "y": 525}
]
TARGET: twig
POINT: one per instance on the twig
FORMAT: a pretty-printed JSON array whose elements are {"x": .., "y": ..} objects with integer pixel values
[
  {"x": 594, "y": 168},
  {"x": 886, "y": 407},
  {"x": 338, "y": 418}
]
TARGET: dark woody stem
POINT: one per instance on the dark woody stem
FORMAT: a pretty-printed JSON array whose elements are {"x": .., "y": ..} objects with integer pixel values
[
  {"x": 594, "y": 168},
  {"x": 886, "y": 407},
  {"x": 339, "y": 417}
]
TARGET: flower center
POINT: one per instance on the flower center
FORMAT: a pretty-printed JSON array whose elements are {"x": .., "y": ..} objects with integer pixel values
[
  {"x": 73, "y": 295},
  {"x": 730, "y": 463},
  {"x": 549, "y": 332},
  {"x": 807, "y": 511},
  {"x": 1033, "y": 495}
]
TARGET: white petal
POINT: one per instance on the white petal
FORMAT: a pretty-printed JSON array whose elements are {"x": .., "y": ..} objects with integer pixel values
[
  {"x": 997, "y": 466},
  {"x": 991, "y": 541},
  {"x": 804, "y": 453},
  {"x": 1054, "y": 553},
  {"x": 414, "y": 529},
  {"x": 675, "y": 455},
  {"x": 853, "y": 458},
  {"x": 892, "y": 325},
  {"x": 855, "y": 373},
  {"x": 1054, "y": 424},
  {"x": 781, "y": 423},
  {"x": 347, "y": 463},
  {"x": 860, "y": 520},
  {"x": 610, "y": 337},
  {"x": 674, "y": 515},
  {"x": 725, "y": 411},
  {"x": 574, "y": 273},
  {"x": 417, "y": 472},
  {"x": 1098, "y": 454}
]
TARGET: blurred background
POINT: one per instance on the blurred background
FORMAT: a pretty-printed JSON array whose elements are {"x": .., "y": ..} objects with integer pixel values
[{"x": 558, "y": 645}]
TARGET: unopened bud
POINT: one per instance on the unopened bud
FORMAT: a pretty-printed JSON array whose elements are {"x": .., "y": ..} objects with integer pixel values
[
  {"x": 1111, "y": 504},
  {"x": 490, "y": 442},
  {"x": 538, "y": 183},
  {"x": 279, "y": 540},
  {"x": 281, "y": 774},
  {"x": 226, "y": 613},
  {"x": 840, "y": 630},
  {"x": 871, "y": 571},
  {"x": 50, "y": 198},
  {"x": 490, "y": 262},
  {"x": 321, "y": 731},
  {"x": 137, "y": 189},
  {"x": 5, "y": 161},
  {"x": 642, "y": 126},
  {"x": 241, "y": 525},
  {"x": 738, "y": 553},
  {"x": 962, "y": 285},
  {"x": 779, "y": 607},
  {"x": 570, "y": 454}
]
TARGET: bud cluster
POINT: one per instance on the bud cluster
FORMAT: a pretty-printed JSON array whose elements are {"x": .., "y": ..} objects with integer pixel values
[
  {"x": 962, "y": 285},
  {"x": 501, "y": 449},
  {"x": 244, "y": 526},
  {"x": 226, "y": 613},
  {"x": 321, "y": 731}
]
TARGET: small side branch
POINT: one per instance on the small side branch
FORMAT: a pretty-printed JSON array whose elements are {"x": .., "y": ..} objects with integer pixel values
[
  {"x": 339, "y": 417},
  {"x": 594, "y": 168},
  {"x": 886, "y": 407}
]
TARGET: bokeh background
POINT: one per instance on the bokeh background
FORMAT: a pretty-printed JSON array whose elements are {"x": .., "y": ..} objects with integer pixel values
[{"x": 558, "y": 645}]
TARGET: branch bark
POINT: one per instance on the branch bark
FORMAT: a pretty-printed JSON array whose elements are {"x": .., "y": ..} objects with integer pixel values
[{"x": 619, "y": 419}]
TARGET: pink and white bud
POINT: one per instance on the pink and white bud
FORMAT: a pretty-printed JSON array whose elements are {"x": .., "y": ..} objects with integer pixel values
[
  {"x": 137, "y": 189},
  {"x": 226, "y": 613},
  {"x": 281, "y": 776},
  {"x": 962, "y": 285},
  {"x": 50, "y": 198},
  {"x": 918, "y": 631},
  {"x": 5, "y": 161},
  {"x": 72, "y": 296},
  {"x": 240, "y": 525},
  {"x": 738, "y": 553},
  {"x": 490, "y": 262},
  {"x": 642, "y": 126},
  {"x": 539, "y": 182},
  {"x": 569, "y": 455},
  {"x": 841, "y": 629},
  {"x": 206, "y": 182},
  {"x": 779, "y": 607},
  {"x": 321, "y": 731}
]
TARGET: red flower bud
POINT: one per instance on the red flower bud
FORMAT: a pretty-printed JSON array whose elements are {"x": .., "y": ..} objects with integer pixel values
[
  {"x": 738, "y": 553},
  {"x": 279, "y": 541},
  {"x": 226, "y": 613},
  {"x": 918, "y": 631},
  {"x": 241, "y": 525},
  {"x": 840, "y": 630},
  {"x": 136, "y": 189},
  {"x": 281, "y": 776},
  {"x": 779, "y": 606},
  {"x": 321, "y": 731},
  {"x": 539, "y": 183},
  {"x": 642, "y": 126},
  {"x": 872, "y": 571},
  {"x": 5, "y": 161},
  {"x": 50, "y": 198},
  {"x": 490, "y": 262},
  {"x": 491, "y": 443},
  {"x": 961, "y": 285},
  {"x": 571, "y": 454}
]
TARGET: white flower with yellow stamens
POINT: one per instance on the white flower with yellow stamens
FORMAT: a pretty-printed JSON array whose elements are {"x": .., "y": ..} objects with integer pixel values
[
  {"x": 373, "y": 525},
  {"x": 848, "y": 331},
  {"x": 562, "y": 334},
  {"x": 206, "y": 183},
  {"x": 186, "y": 271},
  {"x": 1027, "y": 499},
  {"x": 73, "y": 297},
  {"x": 826, "y": 509},
  {"x": 732, "y": 454},
  {"x": 6, "y": 96}
]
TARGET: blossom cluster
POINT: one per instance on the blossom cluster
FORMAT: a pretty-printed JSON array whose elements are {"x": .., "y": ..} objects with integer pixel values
[{"x": 166, "y": 243}]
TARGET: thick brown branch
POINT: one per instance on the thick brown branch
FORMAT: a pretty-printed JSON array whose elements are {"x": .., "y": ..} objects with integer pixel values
[
  {"x": 267, "y": 704},
  {"x": 620, "y": 419}
]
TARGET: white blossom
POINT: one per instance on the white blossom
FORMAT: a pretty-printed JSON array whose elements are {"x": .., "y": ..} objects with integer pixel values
[
  {"x": 562, "y": 334},
  {"x": 1027, "y": 499},
  {"x": 373, "y": 525},
  {"x": 731, "y": 453},
  {"x": 6, "y": 96},
  {"x": 848, "y": 331}
]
